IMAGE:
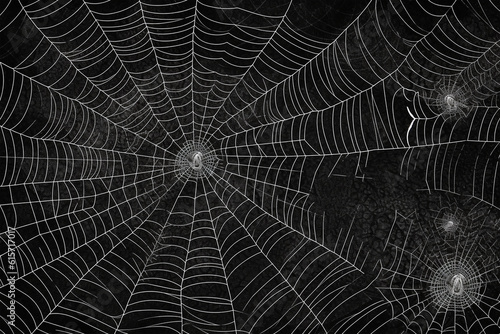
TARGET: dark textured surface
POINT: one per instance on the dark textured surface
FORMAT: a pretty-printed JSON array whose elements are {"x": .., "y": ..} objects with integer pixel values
[{"x": 335, "y": 163}]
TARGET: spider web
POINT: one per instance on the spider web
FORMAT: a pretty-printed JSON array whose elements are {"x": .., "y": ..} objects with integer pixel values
[
  {"x": 435, "y": 284},
  {"x": 194, "y": 166}
]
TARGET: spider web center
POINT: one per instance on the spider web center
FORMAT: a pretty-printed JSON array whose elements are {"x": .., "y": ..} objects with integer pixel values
[
  {"x": 456, "y": 285},
  {"x": 196, "y": 159}
]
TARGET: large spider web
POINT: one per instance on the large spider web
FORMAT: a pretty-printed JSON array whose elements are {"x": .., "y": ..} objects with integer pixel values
[{"x": 229, "y": 166}]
